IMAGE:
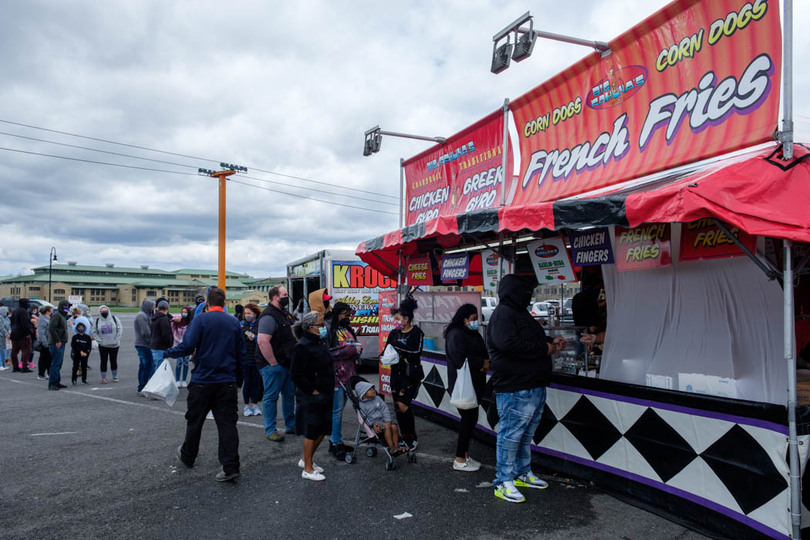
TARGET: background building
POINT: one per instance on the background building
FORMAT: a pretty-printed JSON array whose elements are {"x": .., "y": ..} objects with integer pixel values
[{"x": 128, "y": 287}]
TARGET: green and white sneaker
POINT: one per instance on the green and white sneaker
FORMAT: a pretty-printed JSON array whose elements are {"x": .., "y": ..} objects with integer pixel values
[
  {"x": 530, "y": 481},
  {"x": 509, "y": 493}
]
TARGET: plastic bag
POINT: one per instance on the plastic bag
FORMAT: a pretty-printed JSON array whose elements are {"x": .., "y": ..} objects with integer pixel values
[
  {"x": 390, "y": 356},
  {"x": 463, "y": 396},
  {"x": 162, "y": 384}
]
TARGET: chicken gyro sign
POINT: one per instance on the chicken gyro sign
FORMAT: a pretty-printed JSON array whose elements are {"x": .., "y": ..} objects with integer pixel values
[
  {"x": 463, "y": 175},
  {"x": 694, "y": 80}
]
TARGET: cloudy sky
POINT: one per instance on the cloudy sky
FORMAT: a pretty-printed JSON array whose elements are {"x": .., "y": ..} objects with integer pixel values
[{"x": 279, "y": 87}]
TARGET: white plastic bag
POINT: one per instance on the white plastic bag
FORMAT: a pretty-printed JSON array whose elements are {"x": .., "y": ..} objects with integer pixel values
[
  {"x": 390, "y": 356},
  {"x": 463, "y": 396},
  {"x": 162, "y": 384}
]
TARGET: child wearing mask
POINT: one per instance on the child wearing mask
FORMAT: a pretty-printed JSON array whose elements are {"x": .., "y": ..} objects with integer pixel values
[{"x": 80, "y": 346}]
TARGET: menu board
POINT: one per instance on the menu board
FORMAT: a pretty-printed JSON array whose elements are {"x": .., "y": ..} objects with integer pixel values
[
  {"x": 550, "y": 261},
  {"x": 644, "y": 247},
  {"x": 702, "y": 239}
]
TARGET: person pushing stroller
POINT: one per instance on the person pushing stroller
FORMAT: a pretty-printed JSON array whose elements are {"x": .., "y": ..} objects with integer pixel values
[{"x": 377, "y": 417}]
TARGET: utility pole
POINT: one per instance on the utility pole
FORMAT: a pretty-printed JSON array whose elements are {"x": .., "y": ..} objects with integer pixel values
[{"x": 227, "y": 170}]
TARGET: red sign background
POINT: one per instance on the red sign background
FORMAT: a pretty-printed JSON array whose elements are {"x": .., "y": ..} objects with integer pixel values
[
  {"x": 462, "y": 175},
  {"x": 387, "y": 300},
  {"x": 704, "y": 240},
  {"x": 694, "y": 80},
  {"x": 420, "y": 271}
]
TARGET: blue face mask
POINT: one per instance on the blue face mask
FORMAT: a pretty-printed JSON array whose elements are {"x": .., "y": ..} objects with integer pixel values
[
  {"x": 322, "y": 332},
  {"x": 184, "y": 315},
  {"x": 474, "y": 325},
  {"x": 80, "y": 330}
]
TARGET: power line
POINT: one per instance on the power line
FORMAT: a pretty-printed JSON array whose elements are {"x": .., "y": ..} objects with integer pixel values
[
  {"x": 313, "y": 198},
  {"x": 182, "y": 165},
  {"x": 190, "y": 157},
  {"x": 190, "y": 174}
]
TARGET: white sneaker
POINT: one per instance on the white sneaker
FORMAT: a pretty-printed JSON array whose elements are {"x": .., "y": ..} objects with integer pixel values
[
  {"x": 248, "y": 411},
  {"x": 530, "y": 481},
  {"x": 314, "y": 466},
  {"x": 474, "y": 463},
  {"x": 466, "y": 466},
  {"x": 314, "y": 476},
  {"x": 509, "y": 493},
  {"x": 256, "y": 411},
  {"x": 183, "y": 384},
  {"x": 179, "y": 384}
]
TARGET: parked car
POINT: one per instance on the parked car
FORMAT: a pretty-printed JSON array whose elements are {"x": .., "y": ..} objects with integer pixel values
[
  {"x": 488, "y": 304},
  {"x": 540, "y": 310},
  {"x": 567, "y": 312},
  {"x": 39, "y": 304}
]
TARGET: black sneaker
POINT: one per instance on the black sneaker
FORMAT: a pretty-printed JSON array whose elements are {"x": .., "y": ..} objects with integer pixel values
[
  {"x": 60, "y": 385},
  {"x": 179, "y": 455},
  {"x": 222, "y": 476},
  {"x": 26, "y": 370},
  {"x": 53, "y": 387},
  {"x": 346, "y": 448}
]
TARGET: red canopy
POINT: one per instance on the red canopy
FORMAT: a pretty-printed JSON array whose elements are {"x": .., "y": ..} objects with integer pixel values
[{"x": 755, "y": 190}]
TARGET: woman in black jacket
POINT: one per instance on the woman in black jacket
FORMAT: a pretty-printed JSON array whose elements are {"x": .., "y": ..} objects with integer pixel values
[
  {"x": 252, "y": 388},
  {"x": 463, "y": 342},
  {"x": 407, "y": 374},
  {"x": 314, "y": 377}
]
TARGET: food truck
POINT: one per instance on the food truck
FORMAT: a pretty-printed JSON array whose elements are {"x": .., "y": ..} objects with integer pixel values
[
  {"x": 349, "y": 280},
  {"x": 663, "y": 173}
]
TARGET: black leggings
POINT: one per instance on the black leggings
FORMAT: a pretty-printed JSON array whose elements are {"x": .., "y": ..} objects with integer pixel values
[
  {"x": 112, "y": 354},
  {"x": 469, "y": 418},
  {"x": 44, "y": 361},
  {"x": 408, "y": 388}
]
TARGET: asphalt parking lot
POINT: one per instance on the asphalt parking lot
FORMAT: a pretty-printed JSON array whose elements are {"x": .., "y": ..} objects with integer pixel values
[{"x": 97, "y": 461}]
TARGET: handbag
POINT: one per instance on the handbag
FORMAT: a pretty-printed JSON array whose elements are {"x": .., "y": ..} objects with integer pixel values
[
  {"x": 38, "y": 346},
  {"x": 390, "y": 356},
  {"x": 162, "y": 384},
  {"x": 463, "y": 396}
]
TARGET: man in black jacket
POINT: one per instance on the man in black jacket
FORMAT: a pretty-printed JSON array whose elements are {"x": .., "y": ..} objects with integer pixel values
[
  {"x": 520, "y": 354},
  {"x": 162, "y": 337},
  {"x": 21, "y": 330},
  {"x": 273, "y": 355}
]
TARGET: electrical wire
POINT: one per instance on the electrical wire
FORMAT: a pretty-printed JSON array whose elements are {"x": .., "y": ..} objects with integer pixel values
[
  {"x": 230, "y": 179},
  {"x": 94, "y": 162},
  {"x": 192, "y": 157},
  {"x": 194, "y": 167}
]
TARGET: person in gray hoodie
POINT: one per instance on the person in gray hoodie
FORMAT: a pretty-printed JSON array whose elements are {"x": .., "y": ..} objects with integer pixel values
[
  {"x": 107, "y": 330},
  {"x": 143, "y": 335},
  {"x": 377, "y": 416},
  {"x": 5, "y": 328}
]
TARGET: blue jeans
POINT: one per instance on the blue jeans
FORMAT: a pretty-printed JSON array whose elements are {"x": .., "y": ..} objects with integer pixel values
[
  {"x": 57, "y": 356},
  {"x": 144, "y": 365},
  {"x": 277, "y": 381},
  {"x": 520, "y": 414},
  {"x": 157, "y": 358},
  {"x": 182, "y": 365},
  {"x": 338, "y": 402}
]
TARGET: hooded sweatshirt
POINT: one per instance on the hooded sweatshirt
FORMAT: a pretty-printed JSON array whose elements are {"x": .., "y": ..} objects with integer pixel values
[
  {"x": 143, "y": 332},
  {"x": 57, "y": 327},
  {"x": 518, "y": 347},
  {"x": 107, "y": 330},
  {"x": 316, "y": 302},
  {"x": 21, "y": 326},
  {"x": 5, "y": 325},
  {"x": 162, "y": 337},
  {"x": 375, "y": 410}
]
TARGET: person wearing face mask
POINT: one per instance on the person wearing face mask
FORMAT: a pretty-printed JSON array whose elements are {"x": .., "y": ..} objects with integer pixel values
[
  {"x": 521, "y": 371},
  {"x": 462, "y": 341},
  {"x": 407, "y": 374},
  {"x": 80, "y": 347},
  {"x": 42, "y": 338},
  {"x": 314, "y": 377},
  {"x": 273, "y": 355},
  {"x": 107, "y": 331},
  {"x": 252, "y": 387},
  {"x": 5, "y": 329},
  {"x": 345, "y": 351},
  {"x": 57, "y": 341},
  {"x": 179, "y": 327}
]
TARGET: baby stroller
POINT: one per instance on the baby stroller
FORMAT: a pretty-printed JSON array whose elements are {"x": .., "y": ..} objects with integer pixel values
[{"x": 366, "y": 434}]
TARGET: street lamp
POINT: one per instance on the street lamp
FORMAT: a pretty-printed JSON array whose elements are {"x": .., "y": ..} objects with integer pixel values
[
  {"x": 51, "y": 259},
  {"x": 524, "y": 41},
  {"x": 372, "y": 145}
]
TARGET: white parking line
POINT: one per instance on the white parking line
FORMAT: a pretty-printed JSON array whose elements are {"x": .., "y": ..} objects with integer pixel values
[{"x": 60, "y": 433}]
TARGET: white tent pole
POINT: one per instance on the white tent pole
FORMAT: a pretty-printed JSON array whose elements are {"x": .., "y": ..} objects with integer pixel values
[
  {"x": 793, "y": 441},
  {"x": 787, "y": 80}
]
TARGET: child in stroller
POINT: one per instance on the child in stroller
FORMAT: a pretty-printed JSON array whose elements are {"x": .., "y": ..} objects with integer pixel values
[{"x": 375, "y": 427}]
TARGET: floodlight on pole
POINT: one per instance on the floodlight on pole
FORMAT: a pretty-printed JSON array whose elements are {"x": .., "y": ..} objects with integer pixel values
[
  {"x": 373, "y": 141},
  {"x": 51, "y": 259},
  {"x": 504, "y": 51}
]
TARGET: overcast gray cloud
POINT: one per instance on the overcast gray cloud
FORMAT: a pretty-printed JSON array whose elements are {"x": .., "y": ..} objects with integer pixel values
[{"x": 285, "y": 87}]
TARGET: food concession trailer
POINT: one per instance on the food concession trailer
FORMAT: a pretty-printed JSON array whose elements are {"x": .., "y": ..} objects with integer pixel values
[{"x": 694, "y": 408}]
